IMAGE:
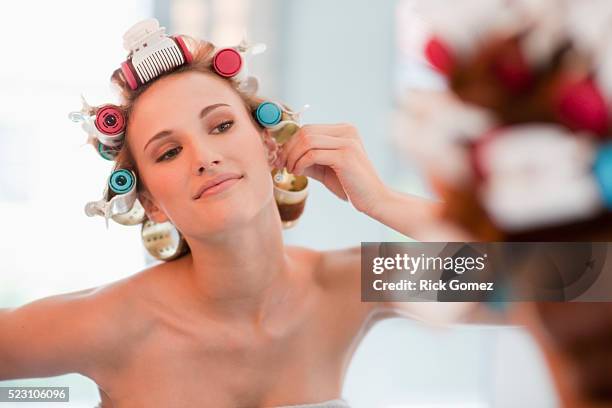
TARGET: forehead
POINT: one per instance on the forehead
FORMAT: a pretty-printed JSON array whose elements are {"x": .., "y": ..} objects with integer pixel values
[{"x": 167, "y": 102}]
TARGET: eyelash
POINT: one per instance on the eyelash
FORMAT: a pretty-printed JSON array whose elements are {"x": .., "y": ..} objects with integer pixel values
[{"x": 223, "y": 127}]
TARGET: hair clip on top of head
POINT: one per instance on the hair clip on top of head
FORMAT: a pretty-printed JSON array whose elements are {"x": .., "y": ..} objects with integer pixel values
[{"x": 152, "y": 53}]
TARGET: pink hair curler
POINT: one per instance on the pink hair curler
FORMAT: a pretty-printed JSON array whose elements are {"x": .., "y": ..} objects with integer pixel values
[
  {"x": 110, "y": 120},
  {"x": 580, "y": 105},
  {"x": 104, "y": 125},
  {"x": 232, "y": 62},
  {"x": 227, "y": 62},
  {"x": 440, "y": 55}
]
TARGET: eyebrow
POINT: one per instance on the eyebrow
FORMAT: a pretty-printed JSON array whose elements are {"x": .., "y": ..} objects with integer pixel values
[{"x": 166, "y": 133}]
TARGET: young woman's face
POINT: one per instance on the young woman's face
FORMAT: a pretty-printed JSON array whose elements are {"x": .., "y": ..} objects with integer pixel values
[{"x": 184, "y": 131}]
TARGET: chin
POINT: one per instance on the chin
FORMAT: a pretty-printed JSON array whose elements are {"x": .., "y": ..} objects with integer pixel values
[{"x": 228, "y": 218}]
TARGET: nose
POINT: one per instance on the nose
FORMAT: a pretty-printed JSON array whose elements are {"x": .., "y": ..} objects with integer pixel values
[{"x": 204, "y": 159}]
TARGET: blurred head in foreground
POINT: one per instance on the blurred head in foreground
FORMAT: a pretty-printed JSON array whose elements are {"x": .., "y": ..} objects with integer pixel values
[{"x": 519, "y": 147}]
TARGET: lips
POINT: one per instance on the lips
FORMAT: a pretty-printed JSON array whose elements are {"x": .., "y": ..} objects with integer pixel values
[{"x": 214, "y": 182}]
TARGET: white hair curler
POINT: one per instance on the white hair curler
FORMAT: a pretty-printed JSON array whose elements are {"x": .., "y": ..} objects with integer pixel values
[
  {"x": 538, "y": 175},
  {"x": 162, "y": 240}
]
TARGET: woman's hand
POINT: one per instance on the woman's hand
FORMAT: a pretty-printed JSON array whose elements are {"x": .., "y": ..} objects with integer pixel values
[{"x": 334, "y": 155}]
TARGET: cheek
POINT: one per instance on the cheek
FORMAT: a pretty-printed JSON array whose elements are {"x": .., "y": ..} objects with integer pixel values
[
  {"x": 256, "y": 166},
  {"x": 165, "y": 183},
  {"x": 253, "y": 152}
]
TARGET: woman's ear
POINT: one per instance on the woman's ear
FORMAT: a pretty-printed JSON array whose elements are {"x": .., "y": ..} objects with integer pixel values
[
  {"x": 154, "y": 213},
  {"x": 272, "y": 147}
]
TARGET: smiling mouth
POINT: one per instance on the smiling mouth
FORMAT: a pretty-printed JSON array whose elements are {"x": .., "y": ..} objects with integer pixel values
[{"x": 220, "y": 187}]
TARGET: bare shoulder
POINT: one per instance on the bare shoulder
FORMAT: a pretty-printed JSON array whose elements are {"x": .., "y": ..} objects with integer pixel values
[
  {"x": 122, "y": 316},
  {"x": 340, "y": 268},
  {"x": 116, "y": 309},
  {"x": 126, "y": 302},
  {"x": 83, "y": 331},
  {"x": 338, "y": 275},
  {"x": 329, "y": 267}
]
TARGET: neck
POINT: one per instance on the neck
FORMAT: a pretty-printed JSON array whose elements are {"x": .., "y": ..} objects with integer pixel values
[{"x": 241, "y": 272}]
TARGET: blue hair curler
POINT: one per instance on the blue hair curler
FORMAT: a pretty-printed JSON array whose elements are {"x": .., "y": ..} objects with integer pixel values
[
  {"x": 121, "y": 181},
  {"x": 603, "y": 173},
  {"x": 119, "y": 201},
  {"x": 268, "y": 114}
]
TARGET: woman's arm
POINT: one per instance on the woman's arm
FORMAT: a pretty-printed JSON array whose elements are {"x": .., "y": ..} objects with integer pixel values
[
  {"x": 341, "y": 274},
  {"x": 335, "y": 156},
  {"x": 416, "y": 217},
  {"x": 74, "y": 332}
]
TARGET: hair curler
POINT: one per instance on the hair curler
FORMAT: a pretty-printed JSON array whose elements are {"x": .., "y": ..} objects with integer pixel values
[
  {"x": 162, "y": 240},
  {"x": 152, "y": 53},
  {"x": 272, "y": 115},
  {"x": 133, "y": 217},
  {"x": 232, "y": 62},
  {"x": 602, "y": 168},
  {"x": 104, "y": 124},
  {"x": 122, "y": 181},
  {"x": 119, "y": 197},
  {"x": 108, "y": 153},
  {"x": 269, "y": 114},
  {"x": 110, "y": 123},
  {"x": 580, "y": 105},
  {"x": 538, "y": 175},
  {"x": 227, "y": 62}
]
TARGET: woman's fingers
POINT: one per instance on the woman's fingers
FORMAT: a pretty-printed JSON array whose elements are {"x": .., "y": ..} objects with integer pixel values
[
  {"x": 318, "y": 164},
  {"x": 328, "y": 178},
  {"x": 343, "y": 130},
  {"x": 302, "y": 143},
  {"x": 335, "y": 156},
  {"x": 315, "y": 156}
]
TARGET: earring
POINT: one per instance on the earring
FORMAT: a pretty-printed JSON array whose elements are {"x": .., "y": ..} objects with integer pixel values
[{"x": 162, "y": 240}]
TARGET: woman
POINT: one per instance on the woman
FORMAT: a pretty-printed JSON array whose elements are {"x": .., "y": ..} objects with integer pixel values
[{"x": 241, "y": 320}]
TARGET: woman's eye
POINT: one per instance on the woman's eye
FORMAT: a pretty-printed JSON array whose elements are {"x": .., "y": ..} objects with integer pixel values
[
  {"x": 169, "y": 154},
  {"x": 223, "y": 127}
]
